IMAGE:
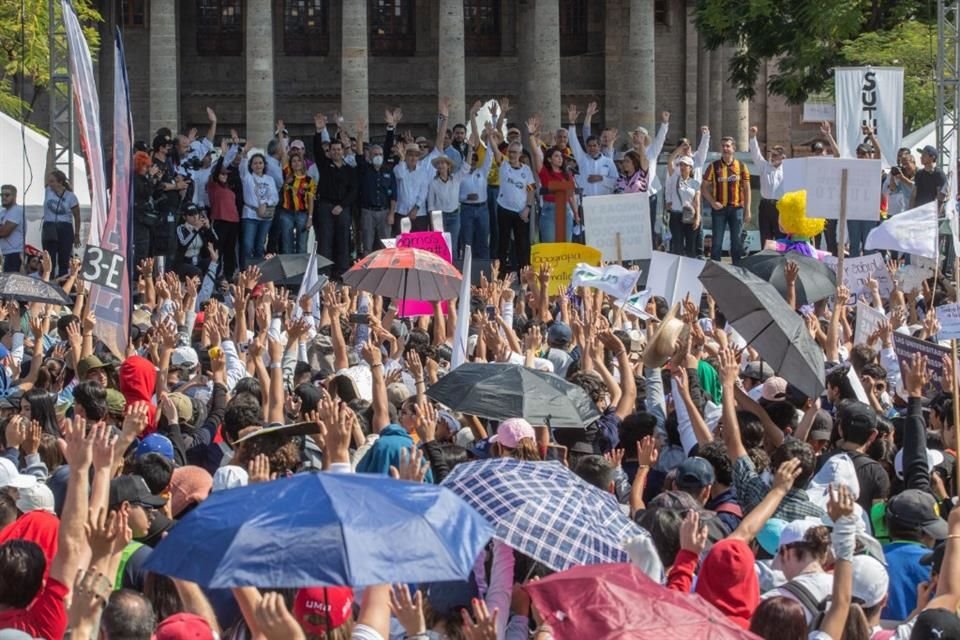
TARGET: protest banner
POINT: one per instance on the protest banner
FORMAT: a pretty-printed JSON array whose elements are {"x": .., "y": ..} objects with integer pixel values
[
  {"x": 623, "y": 217},
  {"x": 948, "y": 316},
  {"x": 435, "y": 243},
  {"x": 868, "y": 319},
  {"x": 821, "y": 179},
  {"x": 905, "y": 346},
  {"x": 563, "y": 258},
  {"x": 673, "y": 277},
  {"x": 612, "y": 279},
  {"x": 869, "y": 97},
  {"x": 857, "y": 270}
]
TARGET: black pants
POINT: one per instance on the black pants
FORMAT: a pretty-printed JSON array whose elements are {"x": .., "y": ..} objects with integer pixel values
[
  {"x": 769, "y": 221},
  {"x": 141, "y": 241},
  {"x": 831, "y": 233},
  {"x": 56, "y": 238},
  {"x": 683, "y": 237},
  {"x": 333, "y": 236},
  {"x": 228, "y": 233},
  {"x": 11, "y": 262},
  {"x": 509, "y": 223}
]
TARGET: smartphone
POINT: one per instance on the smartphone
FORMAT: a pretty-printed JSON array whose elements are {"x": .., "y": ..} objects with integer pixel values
[
  {"x": 491, "y": 312},
  {"x": 359, "y": 318}
]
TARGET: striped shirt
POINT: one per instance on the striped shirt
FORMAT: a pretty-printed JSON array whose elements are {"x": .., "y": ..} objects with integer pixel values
[
  {"x": 728, "y": 181},
  {"x": 295, "y": 192}
]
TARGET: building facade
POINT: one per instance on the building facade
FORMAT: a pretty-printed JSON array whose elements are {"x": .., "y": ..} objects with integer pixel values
[{"x": 255, "y": 61}]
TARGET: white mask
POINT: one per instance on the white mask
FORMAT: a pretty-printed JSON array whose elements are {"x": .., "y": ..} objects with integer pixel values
[{"x": 377, "y": 161}]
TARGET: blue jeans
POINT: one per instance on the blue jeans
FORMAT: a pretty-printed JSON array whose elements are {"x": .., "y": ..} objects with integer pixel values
[
  {"x": 548, "y": 223},
  {"x": 253, "y": 239},
  {"x": 475, "y": 229},
  {"x": 293, "y": 231},
  {"x": 857, "y": 232},
  {"x": 731, "y": 217},
  {"x": 451, "y": 224},
  {"x": 492, "y": 193}
]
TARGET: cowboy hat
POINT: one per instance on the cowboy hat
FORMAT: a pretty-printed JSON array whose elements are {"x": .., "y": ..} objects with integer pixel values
[{"x": 661, "y": 346}]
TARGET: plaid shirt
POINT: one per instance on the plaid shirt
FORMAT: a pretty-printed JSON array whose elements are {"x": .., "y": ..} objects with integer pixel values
[{"x": 751, "y": 489}]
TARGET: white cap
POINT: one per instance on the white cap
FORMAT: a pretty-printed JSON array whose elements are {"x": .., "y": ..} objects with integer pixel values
[
  {"x": 229, "y": 477},
  {"x": 10, "y": 477},
  {"x": 870, "y": 580},
  {"x": 934, "y": 458},
  {"x": 687, "y": 160},
  {"x": 794, "y": 531},
  {"x": 38, "y": 497},
  {"x": 184, "y": 357}
]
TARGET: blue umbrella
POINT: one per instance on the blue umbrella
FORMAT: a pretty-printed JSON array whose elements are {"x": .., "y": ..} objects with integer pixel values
[
  {"x": 318, "y": 529},
  {"x": 545, "y": 511}
]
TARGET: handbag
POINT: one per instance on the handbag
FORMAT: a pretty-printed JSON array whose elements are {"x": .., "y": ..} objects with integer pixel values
[{"x": 268, "y": 212}]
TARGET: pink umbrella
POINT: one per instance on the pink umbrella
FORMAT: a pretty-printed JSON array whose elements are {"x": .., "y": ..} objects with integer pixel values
[
  {"x": 405, "y": 274},
  {"x": 617, "y": 601}
]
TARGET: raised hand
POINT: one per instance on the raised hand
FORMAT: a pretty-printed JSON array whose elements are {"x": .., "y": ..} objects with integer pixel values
[
  {"x": 572, "y": 114},
  {"x": 483, "y": 625},
  {"x": 412, "y": 466},
  {"x": 408, "y": 610},
  {"x": 258, "y": 469},
  {"x": 916, "y": 375},
  {"x": 647, "y": 454},
  {"x": 274, "y": 621},
  {"x": 786, "y": 474},
  {"x": 693, "y": 535}
]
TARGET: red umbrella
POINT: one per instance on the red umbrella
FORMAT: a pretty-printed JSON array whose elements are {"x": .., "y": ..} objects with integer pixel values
[
  {"x": 405, "y": 274},
  {"x": 617, "y": 601}
]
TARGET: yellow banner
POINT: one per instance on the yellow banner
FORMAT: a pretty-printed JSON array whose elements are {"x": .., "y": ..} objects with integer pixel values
[{"x": 563, "y": 257}]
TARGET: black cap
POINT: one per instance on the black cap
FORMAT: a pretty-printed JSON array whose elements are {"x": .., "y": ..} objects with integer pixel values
[
  {"x": 160, "y": 141},
  {"x": 822, "y": 427},
  {"x": 916, "y": 509},
  {"x": 695, "y": 473},
  {"x": 857, "y": 415},
  {"x": 941, "y": 624},
  {"x": 133, "y": 489}
]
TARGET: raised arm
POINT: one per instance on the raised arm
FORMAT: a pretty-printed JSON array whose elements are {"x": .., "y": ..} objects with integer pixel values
[
  {"x": 826, "y": 133},
  {"x": 443, "y": 116},
  {"x": 755, "y": 154},
  {"x": 654, "y": 151},
  {"x": 536, "y": 153},
  {"x": 700, "y": 157},
  {"x": 574, "y": 141},
  {"x": 729, "y": 371},
  {"x": 783, "y": 481}
]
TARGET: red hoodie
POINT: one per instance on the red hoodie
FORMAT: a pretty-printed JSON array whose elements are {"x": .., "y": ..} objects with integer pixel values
[
  {"x": 728, "y": 581},
  {"x": 138, "y": 379},
  {"x": 40, "y": 527}
]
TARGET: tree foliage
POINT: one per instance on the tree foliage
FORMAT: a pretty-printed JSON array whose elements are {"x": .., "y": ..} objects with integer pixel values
[
  {"x": 24, "y": 41},
  {"x": 806, "y": 37}
]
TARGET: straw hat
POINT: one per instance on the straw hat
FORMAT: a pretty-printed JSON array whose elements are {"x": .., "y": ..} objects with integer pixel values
[
  {"x": 661, "y": 346},
  {"x": 440, "y": 159}
]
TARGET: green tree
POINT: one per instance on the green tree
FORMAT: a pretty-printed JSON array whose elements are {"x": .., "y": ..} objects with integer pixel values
[
  {"x": 913, "y": 46},
  {"x": 24, "y": 28}
]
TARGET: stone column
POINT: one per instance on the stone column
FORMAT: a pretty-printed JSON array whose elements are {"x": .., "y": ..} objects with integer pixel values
[
  {"x": 615, "y": 48},
  {"x": 164, "y": 85},
  {"x": 258, "y": 52},
  {"x": 718, "y": 72},
  {"x": 540, "y": 61},
  {"x": 691, "y": 88},
  {"x": 354, "y": 94},
  {"x": 639, "y": 79},
  {"x": 736, "y": 113},
  {"x": 703, "y": 90},
  {"x": 450, "y": 59}
]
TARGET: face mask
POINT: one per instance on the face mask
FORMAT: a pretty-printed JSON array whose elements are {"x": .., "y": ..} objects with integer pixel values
[{"x": 377, "y": 161}]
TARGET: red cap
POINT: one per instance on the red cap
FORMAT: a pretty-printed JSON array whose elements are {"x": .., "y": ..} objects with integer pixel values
[
  {"x": 322, "y": 609},
  {"x": 184, "y": 626}
]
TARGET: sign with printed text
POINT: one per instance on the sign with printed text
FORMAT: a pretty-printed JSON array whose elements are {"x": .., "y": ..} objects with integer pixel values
[
  {"x": 612, "y": 279},
  {"x": 821, "y": 179},
  {"x": 905, "y": 346},
  {"x": 948, "y": 316},
  {"x": 856, "y": 271},
  {"x": 563, "y": 258},
  {"x": 435, "y": 243},
  {"x": 674, "y": 277},
  {"x": 869, "y": 97},
  {"x": 868, "y": 320},
  {"x": 625, "y": 214}
]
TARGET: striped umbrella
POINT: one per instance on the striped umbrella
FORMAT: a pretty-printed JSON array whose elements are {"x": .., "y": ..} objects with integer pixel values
[{"x": 405, "y": 274}]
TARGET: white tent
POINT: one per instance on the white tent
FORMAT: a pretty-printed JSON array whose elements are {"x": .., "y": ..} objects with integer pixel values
[
  {"x": 26, "y": 168},
  {"x": 927, "y": 134}
]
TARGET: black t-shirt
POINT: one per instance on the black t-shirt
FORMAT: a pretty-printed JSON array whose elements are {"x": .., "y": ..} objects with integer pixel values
[
  {"x": 873, "y": 479},
  {"x": 927, "y": 184}
]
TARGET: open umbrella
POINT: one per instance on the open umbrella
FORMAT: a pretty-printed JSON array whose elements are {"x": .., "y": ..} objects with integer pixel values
[
  {"x": 26, "y": 289},
  {"x": 317, "y": 529},
  {"x": 288, "y": 268},
  {"x": 815, "y": 281},
  {"x": 760, "y": 314},
  {"x": 543, "y": 510},
  {"x": 405, "y": 274},
  {"x": 615, "y": 601},
  {"x": 501, "y": 391}
]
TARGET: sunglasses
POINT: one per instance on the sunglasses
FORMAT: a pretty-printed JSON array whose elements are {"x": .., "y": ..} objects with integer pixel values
[{"x": 6, "y": 194}]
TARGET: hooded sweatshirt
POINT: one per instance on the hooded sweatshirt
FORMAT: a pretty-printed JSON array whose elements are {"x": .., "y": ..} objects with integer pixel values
[
  {"x": 40, "y": 527},
  {"x": 728, "y": 581},
  {"x": 138, "y": 379}
]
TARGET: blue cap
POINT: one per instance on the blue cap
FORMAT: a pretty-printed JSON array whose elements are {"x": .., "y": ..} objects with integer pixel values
[
  {"x": 930, "y": 150},
  {"x": 695, "y": 473},
  {"x": 769, "y": 536},
  {"x": 559, "y": 335},
  {"x": 155, "y": 443}
]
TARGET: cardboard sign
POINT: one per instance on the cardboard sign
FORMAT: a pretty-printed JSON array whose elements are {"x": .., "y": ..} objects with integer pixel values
[
  {"x": 435, "y": 243},
  {"x": 949, "y": 317},
  {"x": 868, "y": 319},
  {"x": 821, "y": 179},
  {"x": 625, "y": 214},
  {"x": 563, "y": 258},
  {"x": 673, "y": 277},
  {"x": 612, "y": 279},
  {"x": 857, "y": 270},
  {"x": 905, "y": 346}
]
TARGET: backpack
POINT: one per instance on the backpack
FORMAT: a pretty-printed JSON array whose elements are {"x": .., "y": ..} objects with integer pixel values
[{"x": 816, "y": 607}]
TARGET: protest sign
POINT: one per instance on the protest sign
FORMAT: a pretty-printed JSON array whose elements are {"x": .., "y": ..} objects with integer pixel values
[
  {"x": 868, "y": 319},
  {"x": 563, "y": 258},
  {"x": 872, "y": 97},
  {"x": 821, "y": 179},
  {"x": 626, "y": 216},
  {"x": 948, "y": 316},
  {"x": 857, "y": 270},
  {"x": 435, "y": 243},
  {"x": 673, "y": 277},
  {"x": 612, "y": 279},
  {"x": 905, "y": 346}
]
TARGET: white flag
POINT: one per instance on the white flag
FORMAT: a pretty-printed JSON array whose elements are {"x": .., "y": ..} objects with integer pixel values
[
  {"x": 310, "y": 286},
  {"x": 913, "y": 231},
  {"x": 462, "y": 334},
  {"x": 612, "y": 279}
]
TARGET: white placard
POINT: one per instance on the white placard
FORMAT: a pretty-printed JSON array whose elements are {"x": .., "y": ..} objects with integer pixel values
[
  {"x": 673, "y": 277},
  {"x": 624, "y": 214},
  {"x": 868, "y": 319},
  {"x": 612, "y": 279},
  {"x": 949, "y": 317},
  {"x": 405, "y": 224},
  {"x": 436, "y": 220},
  {"x": 821, "y": 178},
  {"x": 389, "y": 243},
  {"x": 857, "y": 270}
]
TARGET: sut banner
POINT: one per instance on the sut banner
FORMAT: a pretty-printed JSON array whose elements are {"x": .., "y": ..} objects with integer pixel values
[{"x": 872, "y": 97}]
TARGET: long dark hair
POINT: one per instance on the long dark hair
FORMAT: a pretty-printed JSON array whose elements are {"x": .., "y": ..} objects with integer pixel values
[{"x": 43, "y": 409}]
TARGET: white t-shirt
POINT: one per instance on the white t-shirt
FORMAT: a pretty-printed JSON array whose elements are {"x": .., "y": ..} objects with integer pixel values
[
  {"x": 13, "y": 243},
  {"x": 820, "y": 586},
  {"x": 680, "y": 193},
  {"x": 59, "y": 208},
  {"x": 513, "y": 187}
]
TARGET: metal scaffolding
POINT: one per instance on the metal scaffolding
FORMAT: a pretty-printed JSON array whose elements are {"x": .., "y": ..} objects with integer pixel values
[
  {"x": 948, "y": 81},
  {"x": 61, "y": 144}
]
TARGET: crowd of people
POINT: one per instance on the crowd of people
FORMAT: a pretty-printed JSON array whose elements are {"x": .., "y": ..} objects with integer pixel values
[{"x": 793, "y": 517}]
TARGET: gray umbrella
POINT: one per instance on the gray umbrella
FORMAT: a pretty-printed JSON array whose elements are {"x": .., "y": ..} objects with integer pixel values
[
  {"x": 815, "y": 280},
  {"x": 287, "y": 269},
  {"x": 758, "y": 312},
  {"x": 17, "y": 286}
]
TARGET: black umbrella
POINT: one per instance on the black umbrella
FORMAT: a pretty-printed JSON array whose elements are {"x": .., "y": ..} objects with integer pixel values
[
  {"x": 759, "y": 314},
  {"x": 502, "y": 391},
  {"x": 815, "y": 281},
  {"x": 28, "y": 289},
  {"x": 287, "y": 269}
]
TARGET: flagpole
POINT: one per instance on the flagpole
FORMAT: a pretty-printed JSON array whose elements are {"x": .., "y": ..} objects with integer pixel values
[
  {"x": 842, "y": 240},
  {"x": 955, "y": 390}
]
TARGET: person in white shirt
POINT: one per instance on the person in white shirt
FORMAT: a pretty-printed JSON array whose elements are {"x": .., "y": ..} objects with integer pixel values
[
  {"x": 514, "y": 204},
  {"x": 260, "y": 198},
  {"x": 60, "y": 232},
  {"x": 598, "y": 173},
  {"x": 771, "y": 187},
  {"x": 474, "y": 211},
  {"x": 413, "y": 180},
  {"x": 682, "y": 196},
  {"x": 652, "y": 151},
  {"x": 443, "y": 194},
  {"x": 11, "y": 228}
]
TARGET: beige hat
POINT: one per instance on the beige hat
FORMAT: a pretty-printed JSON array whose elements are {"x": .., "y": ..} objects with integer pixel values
[
  {"x": 441, "y": 159},
  {"x": 661, "y": 346}
]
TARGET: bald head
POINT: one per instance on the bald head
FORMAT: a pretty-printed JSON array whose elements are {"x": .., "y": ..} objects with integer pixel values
[{"x": 128, "y": 616}]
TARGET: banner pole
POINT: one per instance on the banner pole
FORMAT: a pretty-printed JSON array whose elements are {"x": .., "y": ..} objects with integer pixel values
[{"x": 842, "y": 223}]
